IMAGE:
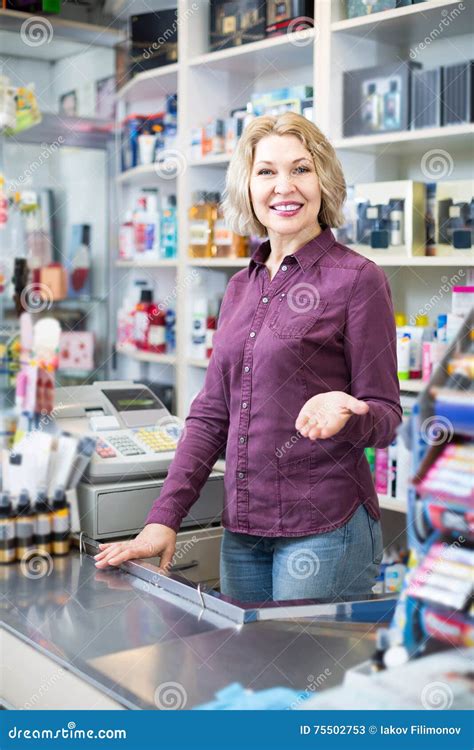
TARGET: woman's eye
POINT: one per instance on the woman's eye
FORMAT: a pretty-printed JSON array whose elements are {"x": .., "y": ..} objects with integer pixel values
[
  {"x": 301, "y": 170},
  {"x": 264, "y": 171}
]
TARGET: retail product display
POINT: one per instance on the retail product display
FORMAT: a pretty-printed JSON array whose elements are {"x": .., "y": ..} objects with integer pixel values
[
  {"x": 235, "y": 23},
  {"x": 288, "y": 16},
  {"x": 143, "y": 323},
  {"x": 208, "y": 235},
  {"x": 453, "y": 217},
  {"x": 425, "y": 98},
  {"x": 220, "y": 136},
  {"x": 148, "y": 231},
  {"x": 376, "y": 100},
  {"x": 147, "y": 139},
  {"x": 79, "y": 262},
  {"x": 154, "y": 40},
  {"x": 457, "y": 95},
  {"x": 436, "y": 600},
  {"x": 386, "y": 217},
  {"x": 357, "y": 8}
]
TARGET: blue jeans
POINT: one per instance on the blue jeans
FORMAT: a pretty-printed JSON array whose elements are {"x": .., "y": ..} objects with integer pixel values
[{"x": 334, "y": 565}]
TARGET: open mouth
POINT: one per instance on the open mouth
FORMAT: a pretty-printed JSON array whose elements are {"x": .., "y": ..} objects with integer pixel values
[{"x": 286, "y": 209}]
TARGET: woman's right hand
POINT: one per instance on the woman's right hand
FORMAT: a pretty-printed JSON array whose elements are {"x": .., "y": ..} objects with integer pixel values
[{"x": 154, "y": 540}]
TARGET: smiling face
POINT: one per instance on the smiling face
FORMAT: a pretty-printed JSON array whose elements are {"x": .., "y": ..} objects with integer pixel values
[{"x": 284, "y": 187}]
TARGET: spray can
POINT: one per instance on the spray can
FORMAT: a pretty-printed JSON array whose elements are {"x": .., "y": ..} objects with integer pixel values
[
  {"x": 61, "y": 523},
  {"x": 43, "y": 524},
  {"x": 25, "y": 525},
  {"x": 7, "y": 530}
]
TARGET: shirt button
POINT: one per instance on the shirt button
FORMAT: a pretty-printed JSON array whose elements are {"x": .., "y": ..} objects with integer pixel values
[
  {"x": 244, "y": 405},
  {"x": 242, "y": 440},
  {"x": 252, "y": 334},
  {"x": 264, "y": 300},
  {"x": 241, "y": 474},
  {"x": 284, "y": 268},
  {"x": 246, "y": 368}
]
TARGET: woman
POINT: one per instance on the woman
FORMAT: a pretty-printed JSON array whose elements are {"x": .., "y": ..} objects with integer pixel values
[{"x": 303, "y": 377}]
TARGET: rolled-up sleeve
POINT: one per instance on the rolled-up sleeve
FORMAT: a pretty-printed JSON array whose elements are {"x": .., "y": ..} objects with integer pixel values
[
  {"x": 370, "y": 350},
  {"x": 204, "y": 438}
]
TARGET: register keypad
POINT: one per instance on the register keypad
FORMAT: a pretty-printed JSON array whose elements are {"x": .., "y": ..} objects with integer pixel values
[{"x": 156, "y": 440}]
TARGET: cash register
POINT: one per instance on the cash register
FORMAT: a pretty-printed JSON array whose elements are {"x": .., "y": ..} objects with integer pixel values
[{"x": 136, "y": 438}]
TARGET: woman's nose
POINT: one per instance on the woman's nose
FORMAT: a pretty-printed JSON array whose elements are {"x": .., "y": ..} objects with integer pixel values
[{"x": 284, "y": 184}]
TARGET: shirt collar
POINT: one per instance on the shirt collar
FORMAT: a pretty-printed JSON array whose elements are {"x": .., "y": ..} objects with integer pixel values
[{"x": 306, "y": 256}]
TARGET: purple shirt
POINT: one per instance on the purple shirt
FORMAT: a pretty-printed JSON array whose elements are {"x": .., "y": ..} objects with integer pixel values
[{"x": 324, "y": 323}]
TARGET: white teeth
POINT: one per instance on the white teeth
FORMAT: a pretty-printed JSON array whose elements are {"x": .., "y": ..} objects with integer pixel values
[{"x": 291, "y": 207}]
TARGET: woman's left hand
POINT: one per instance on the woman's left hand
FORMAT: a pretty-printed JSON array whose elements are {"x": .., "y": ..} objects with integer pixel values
[{"x": 324, "y": 415}]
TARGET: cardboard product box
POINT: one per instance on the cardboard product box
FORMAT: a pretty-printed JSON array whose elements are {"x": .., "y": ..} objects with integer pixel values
[
  {"x": 356, "y": 8},
  {"x": 76, "y": 350},
  {"x": 426, "y": 98},
  {"x": 236, "y": 23},
  {"x": 154, "y": 40},
  {"x": 457, "y": 93},
  {"x": 454, "y": 219},
  {"x": 377, "y": 100},
  {"x": 289, "y": 15}
]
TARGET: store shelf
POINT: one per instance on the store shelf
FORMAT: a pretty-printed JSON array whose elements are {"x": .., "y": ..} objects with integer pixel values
[
  {"x": 412, "y": 24},
  {"x": 79, "y": 132},
  {"x": 219, "y": 262},
  {"x": 288, "y": 51},
  {"x": 203, "y": 363},
  {"x": 391, "y": 503},
  {"x": 70, "y": 37},
  {"x": 413, "y": 386},
  {"x": 151, "y": 84},
  {"x": 163, "y": 359},
  {"x": 410, "y": 141},
  {"x": 215, "y": 160},
  {"x": 147, "y": 263},
  {"x": 143, "y": 173}
]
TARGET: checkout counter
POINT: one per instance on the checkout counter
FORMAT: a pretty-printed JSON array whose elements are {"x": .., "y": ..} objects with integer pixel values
[{"x": 133, "y": 638}]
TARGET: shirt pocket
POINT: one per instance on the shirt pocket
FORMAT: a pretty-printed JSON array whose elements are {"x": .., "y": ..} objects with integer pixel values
[
  {"x": 294, "y": 496},
  {"x": 288, "y": 322}
]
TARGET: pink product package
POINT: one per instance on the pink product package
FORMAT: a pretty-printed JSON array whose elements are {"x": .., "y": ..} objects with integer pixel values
[{"x": 76, "y": 350}]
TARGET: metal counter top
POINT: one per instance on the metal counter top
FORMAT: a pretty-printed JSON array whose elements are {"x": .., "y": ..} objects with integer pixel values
[{"x": 130, "y": 638}]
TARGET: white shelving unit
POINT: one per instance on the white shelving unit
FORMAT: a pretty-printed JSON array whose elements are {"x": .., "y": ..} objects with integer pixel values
[{"x": 210, "y": 84}]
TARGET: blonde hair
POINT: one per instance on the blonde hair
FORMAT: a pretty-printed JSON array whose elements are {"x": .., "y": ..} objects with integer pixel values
[{"x": 237, "y": 204}]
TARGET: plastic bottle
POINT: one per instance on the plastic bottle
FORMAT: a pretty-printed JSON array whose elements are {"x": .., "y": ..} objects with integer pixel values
[
  {"x": 25, "y": 525},
  {"x": 403, "y": 356},
  {"x": 211, "y": 325},
  {"x": 140, "y": 219},
  {"x": 61, "y": 523},
  {"x": 153, "y": 222},
  {"x": 169, "y": 228},
  {"x": 170, "y": 330},
  {"x": 127, "y": 238},
  {"x": 199, "y": 322},
  {"x": 228, "y": 244},
  {"x": 141, "y": 319},
  {"x": 43, "y": 524},
  {"x": 202, "y": 216},
  {"x": 6, "y": 261},
  {"x": 156, "y": 342},
  {"x": 7, "y": 530}
]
